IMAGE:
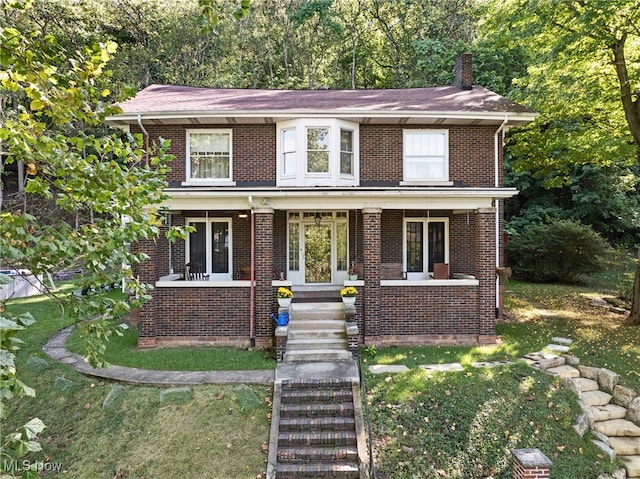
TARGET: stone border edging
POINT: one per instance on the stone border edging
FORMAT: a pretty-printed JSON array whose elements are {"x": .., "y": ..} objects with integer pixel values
[{"x": 56, "y": 349}]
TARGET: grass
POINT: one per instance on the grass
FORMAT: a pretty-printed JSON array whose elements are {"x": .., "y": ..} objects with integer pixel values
[
  {"x": 212, "y": 436},
  {"x": 461, "y": 425},
  {"x": 122, "y": 350}
]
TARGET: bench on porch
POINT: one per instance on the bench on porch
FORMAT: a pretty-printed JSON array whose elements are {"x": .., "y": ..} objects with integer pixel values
[{"x": 392, "y": 271}]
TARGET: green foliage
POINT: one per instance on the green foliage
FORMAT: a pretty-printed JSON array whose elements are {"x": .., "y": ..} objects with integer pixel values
[{"x": 561, "y": 251}]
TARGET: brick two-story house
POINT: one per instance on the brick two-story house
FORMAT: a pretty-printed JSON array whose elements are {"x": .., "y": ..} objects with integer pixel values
[{"x": 292, "y": 187}]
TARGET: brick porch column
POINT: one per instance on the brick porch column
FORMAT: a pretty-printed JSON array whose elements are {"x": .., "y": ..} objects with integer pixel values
[
  {"x": 147, "y": 273},
  {"x": 371, "y": 251},
  {"x": 486, "y": 274},
  {"x": 530, "y": 464},
  {"x": 264, "y": 325}
]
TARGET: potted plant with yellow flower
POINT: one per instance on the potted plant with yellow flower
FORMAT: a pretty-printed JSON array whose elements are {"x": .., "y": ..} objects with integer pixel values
[
  {"x": 349, "y": 295},
  {"x": 284, "y": 296}
]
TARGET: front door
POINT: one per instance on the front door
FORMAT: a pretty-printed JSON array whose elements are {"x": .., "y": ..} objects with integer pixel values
[
  {"x": 317, "y": 248},
  {"x": 317, "y": 253}
]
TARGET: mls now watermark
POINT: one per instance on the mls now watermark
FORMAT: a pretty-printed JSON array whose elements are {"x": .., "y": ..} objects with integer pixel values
[{"x": 19, "y": 466}]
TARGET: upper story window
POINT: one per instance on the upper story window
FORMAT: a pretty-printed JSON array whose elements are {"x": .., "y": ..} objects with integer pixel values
[
  {"x": 426, "y": 156},
  {"x": 209, "y": 157},
  {"x": 317, "y": 152}
]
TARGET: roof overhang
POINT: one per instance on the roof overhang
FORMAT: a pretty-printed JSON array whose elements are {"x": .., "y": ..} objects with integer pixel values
[
  {"x": 270, "y": 117},
  {"x": 446, "y": 198}
]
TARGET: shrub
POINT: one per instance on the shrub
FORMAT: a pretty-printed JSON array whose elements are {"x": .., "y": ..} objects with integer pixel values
[{"x": 562, "y": 251}]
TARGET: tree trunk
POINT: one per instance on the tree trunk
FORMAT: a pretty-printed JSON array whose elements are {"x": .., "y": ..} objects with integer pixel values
[{"x": 634, "y": 317}]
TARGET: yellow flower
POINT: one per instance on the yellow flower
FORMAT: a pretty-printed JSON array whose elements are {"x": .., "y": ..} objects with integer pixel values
[
  {"x": 284, "y": 293},
  {"x": 348, "y": 292}
]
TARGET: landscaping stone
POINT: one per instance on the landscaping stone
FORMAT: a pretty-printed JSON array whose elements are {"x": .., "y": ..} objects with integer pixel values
[
  {"x": 564, "y": 371},
  {"x": 572, "y": 360},
  {"x": 175, "y": 396},
  {"x": 580, "y": 385},
  {"x": 558, "y": 348},
  {"x": 623, "y": 395},
  {"x": 582, "y": 424},
  {"x": 384, "y": 368},
  {"x": 600, "y": 437},
  {"x": 447, "y": 367},
  {"x": 246, "y": 398},
  {"x": 632, "y": 463},
  {"x": 617, "y": 427},
  {"x": 608, "y": 380},
  {"x": 37, "y": 364},
  {"x": 608, "y": 412},
  {"x": 617, "y": 474},
  {"x": 625, "y": 446},
  {"x": 589, "y": 372},
  {"x": 544, "y": 360},
  {"x": 596, "y": 398},
  {"x": 565, "y": 341},
  {"x": 115, "y": 397},
  {"x": 634, "y": 410},
  {"x": 610, "y": 453},
  {"x": 63, "y": 384}
]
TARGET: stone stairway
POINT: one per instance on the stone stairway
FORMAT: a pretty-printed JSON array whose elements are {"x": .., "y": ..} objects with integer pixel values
[
  {"x": 610, "y": 411},
  {"x": 317, "y": 436},
  {"x": 316, "y": 332}
]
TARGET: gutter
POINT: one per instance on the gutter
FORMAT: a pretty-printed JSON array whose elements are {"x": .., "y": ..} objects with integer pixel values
[{"x": 146, "y": 140}]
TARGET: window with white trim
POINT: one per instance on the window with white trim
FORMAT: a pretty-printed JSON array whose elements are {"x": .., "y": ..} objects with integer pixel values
[
  {"x": 317, "y": 152},
  {"x": 426, "y": 242},
  {"x": 426, "y": 155},
  {"x": 209, "y": 245},
  {"x": 209, "y": 156}
]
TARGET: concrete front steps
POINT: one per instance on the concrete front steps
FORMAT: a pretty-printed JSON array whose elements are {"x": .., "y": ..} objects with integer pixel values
[
  {"x": 609, "y": 410},
  {"x": 316, "y": 332},
  {"x": 317, "y": 436}
]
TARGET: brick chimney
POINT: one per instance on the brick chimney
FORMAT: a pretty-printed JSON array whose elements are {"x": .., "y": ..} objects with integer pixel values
[{"x": 463, "y": 73}]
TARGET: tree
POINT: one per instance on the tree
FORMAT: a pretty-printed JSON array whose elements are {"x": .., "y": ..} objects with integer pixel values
[
  {"x": 89, "y": 194},
  {"x": 584, "y": 76}
]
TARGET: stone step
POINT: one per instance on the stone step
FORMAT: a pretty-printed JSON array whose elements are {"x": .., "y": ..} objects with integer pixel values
[
  {"x": 317, "y": 355},
  {"x": 308, "y": 454},
  {"x": 317, "y": 324},
  {"x": 544, "y": 360},
  {"x": 317, "y": 470},
  {"x": 317, "y": 424},
  {"x": 304, "y": 344},
  {"x": 298, "y": 333},
  {"x": 581, "y": 385},
  {"x": 563, "y": 371},
  {"x": 595, "y": 398},
  {"x": 632, "y": 463},
  {"x": 297, "y": 396},
  {"x": 625, "y": 446},
  {"x": 617, "y": 427},
  {"x": 607, "y": 412},
  {"x": 331, "y": 438},
  {"x": 316, "y": 409}
]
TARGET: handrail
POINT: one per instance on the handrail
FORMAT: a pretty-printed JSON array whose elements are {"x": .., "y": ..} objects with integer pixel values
[{"x": 363, "y": 388}]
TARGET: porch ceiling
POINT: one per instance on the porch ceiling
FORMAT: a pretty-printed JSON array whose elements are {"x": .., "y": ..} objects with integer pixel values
[{"x": 457, "y": 199}]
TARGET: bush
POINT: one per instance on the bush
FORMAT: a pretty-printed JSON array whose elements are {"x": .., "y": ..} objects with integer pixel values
[{"x": 562, "y": 251}]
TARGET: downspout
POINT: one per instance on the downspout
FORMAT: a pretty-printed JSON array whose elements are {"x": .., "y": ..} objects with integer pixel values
[
  {"x": 496, "y": 138},
  {"x": 252, "y": 277}
]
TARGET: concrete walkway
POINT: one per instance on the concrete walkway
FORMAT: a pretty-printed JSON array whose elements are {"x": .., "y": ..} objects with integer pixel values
[{"x": 56, "y": 349}]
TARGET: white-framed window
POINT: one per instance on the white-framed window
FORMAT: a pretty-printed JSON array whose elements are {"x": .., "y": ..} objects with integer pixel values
[
  {"x": 426, "y": 156},
  {"x": 209, "y": 156},
  {"x": 317, "y": 152},
  {"x": 210, "y": 246},
  {"x": 426, "y": 242}
]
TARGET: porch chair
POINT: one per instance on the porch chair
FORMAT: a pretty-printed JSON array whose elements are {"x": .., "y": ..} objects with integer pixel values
[{"x": 195, "y": 272}]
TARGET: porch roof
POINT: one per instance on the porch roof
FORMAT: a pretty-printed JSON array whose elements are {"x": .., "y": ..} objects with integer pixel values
[
  {"x": 443, "y": 198},
  {"x": 446, "y": 105}
]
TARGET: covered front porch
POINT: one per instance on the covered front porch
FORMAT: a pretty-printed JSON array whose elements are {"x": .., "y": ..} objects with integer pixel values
[{"x": 425, "y": 264}]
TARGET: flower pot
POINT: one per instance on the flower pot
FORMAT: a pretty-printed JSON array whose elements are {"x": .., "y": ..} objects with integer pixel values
[
  {"x": 284, "y": 302},
  {"x": 353, "y": 277},
  {"x": 351, "y": 300}
]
